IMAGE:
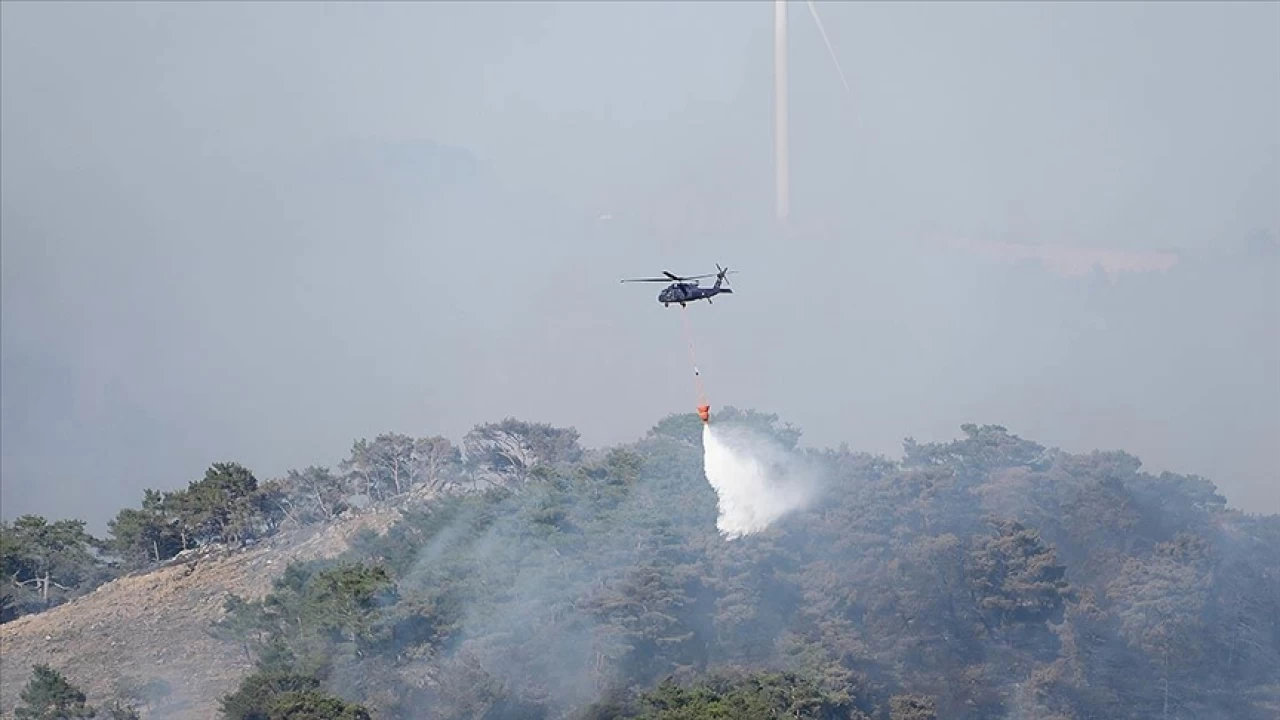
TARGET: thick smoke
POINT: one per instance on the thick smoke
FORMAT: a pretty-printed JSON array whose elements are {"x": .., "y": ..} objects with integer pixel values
[{"x": 757, "y": 481}]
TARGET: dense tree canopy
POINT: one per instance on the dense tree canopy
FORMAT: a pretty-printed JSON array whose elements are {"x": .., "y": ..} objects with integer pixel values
[
  {"x": 528, "y": 577},
  {"x": 46, "y": 563}
]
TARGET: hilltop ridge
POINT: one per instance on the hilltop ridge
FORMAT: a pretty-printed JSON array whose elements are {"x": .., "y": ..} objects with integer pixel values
[
  {"x": 151, "y": 627},
  {"x": 985, "y": 577}
]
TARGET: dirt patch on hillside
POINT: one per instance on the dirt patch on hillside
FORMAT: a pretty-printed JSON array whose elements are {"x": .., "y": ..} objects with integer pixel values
[{"x": 153, "y": 627}]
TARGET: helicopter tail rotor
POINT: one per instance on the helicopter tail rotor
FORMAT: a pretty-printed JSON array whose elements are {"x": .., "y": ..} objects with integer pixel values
[{"x": 721, "y": 274}]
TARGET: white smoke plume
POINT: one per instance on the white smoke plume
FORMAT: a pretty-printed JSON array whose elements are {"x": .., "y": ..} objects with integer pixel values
[{"x": 756, "y": 480}]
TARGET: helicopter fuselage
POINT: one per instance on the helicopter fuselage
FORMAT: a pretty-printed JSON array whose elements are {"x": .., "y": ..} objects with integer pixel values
[
  {"x": 688, "y": 292},
  {"x": 685, "y": 289}
]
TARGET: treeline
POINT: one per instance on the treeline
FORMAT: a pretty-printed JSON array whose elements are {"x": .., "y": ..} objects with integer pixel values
[
  {"x": 988, "y": 577},
  {"x": 48, "y": 563}
]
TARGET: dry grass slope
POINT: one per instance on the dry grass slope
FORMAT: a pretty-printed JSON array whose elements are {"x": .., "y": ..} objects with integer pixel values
[{"x": 154, "y": 626}]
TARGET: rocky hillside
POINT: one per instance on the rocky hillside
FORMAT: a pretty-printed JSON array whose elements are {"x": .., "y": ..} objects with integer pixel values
[{"x": 147, "y": 634}]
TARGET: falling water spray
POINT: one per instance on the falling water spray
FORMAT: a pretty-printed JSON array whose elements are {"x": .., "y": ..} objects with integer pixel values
[{"x": 757, "y": 481}]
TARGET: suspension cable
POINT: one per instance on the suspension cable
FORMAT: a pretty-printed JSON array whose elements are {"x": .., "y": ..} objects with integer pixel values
[{"x": 693, "y": 358}]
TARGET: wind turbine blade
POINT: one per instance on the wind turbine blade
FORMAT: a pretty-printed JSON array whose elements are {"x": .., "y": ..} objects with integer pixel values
[{"x": 813, "y": 10}]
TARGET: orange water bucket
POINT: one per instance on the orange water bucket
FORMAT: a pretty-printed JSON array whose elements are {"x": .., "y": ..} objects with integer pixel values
[{"x": 704, "y": 412}]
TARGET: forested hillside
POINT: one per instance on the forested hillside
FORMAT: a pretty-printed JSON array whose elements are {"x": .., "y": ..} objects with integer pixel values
[{"x": 528, "y": 577}]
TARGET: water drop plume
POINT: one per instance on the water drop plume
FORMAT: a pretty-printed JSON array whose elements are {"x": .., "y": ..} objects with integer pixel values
[{"x": 757, "y": 481}]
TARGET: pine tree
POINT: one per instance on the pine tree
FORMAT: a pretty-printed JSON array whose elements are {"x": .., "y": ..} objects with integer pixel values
[{"x": 49, "y": 696}]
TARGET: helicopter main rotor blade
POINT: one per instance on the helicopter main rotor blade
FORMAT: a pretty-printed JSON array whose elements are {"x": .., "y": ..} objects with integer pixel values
[{"x": 670, "y": 277}]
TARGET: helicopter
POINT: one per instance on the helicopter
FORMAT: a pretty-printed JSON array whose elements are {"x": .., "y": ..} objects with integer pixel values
[{"x": 685, "y": 289}]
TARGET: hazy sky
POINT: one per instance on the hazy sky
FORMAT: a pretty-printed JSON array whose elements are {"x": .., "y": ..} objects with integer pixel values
[{"x": 229, "y": 231}]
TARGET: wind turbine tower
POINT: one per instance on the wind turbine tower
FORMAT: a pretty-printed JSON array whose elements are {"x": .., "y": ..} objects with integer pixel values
[
  {"x": 781, "y": 159},
  {"x": 781, "y": 101}
]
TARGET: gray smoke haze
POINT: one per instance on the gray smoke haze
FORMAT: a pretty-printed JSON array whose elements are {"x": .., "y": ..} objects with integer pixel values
[
  {"x": 257, "y": 231},
  {"x": 550, "y": 630}
]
